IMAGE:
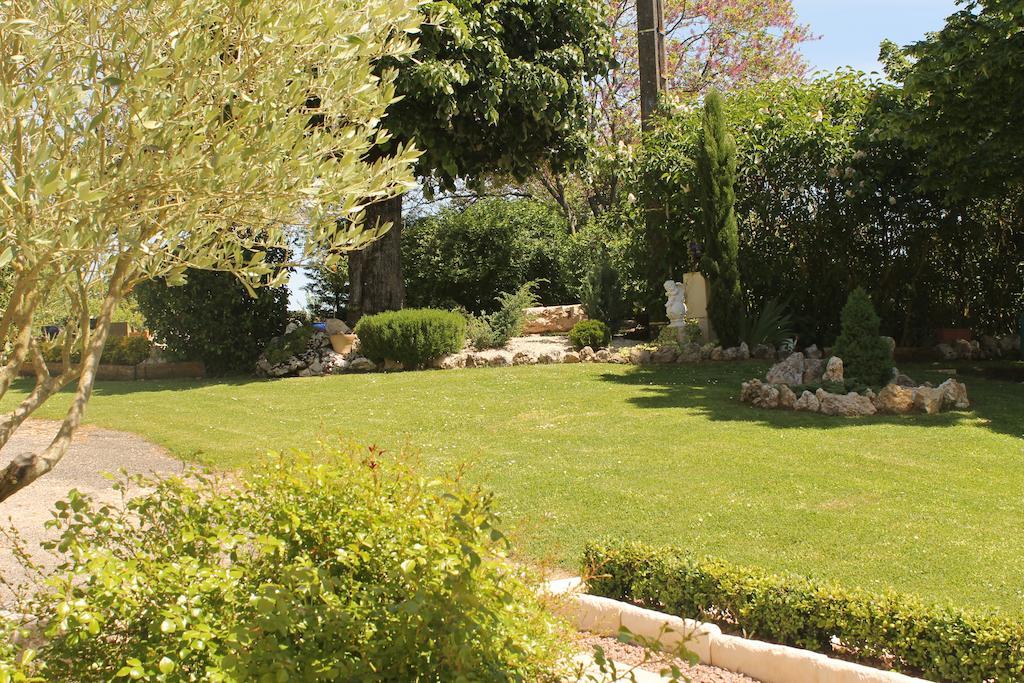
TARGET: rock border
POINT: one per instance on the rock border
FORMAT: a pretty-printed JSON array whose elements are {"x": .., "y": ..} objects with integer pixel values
[{"x": 763, "y": 661}]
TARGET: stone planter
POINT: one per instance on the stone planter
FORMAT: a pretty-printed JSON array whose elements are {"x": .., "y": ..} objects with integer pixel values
[{"x": 343, "y": 343}]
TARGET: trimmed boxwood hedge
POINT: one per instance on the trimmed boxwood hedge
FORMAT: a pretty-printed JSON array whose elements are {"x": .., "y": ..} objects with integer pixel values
[
  {"x": 941, "y": 643},
  {"x": 592, "y": 333},
  {"x": 412, "y": 336}
]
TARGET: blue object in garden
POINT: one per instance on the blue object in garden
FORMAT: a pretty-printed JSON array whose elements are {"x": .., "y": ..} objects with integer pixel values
[{"x": 320, "y": 327}]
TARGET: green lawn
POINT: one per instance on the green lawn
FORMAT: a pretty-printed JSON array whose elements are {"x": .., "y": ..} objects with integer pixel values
[{"x": 930, "y": 505}]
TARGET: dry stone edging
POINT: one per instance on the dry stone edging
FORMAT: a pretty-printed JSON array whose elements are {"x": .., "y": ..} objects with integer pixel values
[
  {"x": 766, "y": 662},
  {"x": 899, "y": 397}
]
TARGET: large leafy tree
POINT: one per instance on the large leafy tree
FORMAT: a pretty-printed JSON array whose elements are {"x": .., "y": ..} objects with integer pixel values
[
  {"x": 964, "y": 96},
  {"x": 139, "y": 138},
  {"x": 495, "y": 86}
]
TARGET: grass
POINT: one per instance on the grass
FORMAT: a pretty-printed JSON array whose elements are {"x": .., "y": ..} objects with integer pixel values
[{"x": 928, "y": 505}]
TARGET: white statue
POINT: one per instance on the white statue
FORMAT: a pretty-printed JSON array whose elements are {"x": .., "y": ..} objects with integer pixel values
[{"x": 675, "y": 307}]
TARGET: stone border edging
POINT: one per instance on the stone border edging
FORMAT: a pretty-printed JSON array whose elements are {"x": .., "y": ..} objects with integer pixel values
[{"x": 766, "y": 662}]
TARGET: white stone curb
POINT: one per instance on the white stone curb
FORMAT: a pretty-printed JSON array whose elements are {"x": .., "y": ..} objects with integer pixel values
[{"x": 766, "y": 662}]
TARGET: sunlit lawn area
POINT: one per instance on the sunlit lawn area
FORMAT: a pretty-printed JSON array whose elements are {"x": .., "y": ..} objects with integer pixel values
[{"x": 930, "y": 505}]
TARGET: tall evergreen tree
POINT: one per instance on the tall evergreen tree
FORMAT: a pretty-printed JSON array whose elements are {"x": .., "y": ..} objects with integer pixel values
[{"x": 716, "y": 165}]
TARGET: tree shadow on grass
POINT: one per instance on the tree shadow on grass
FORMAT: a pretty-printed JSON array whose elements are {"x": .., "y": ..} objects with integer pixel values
[
  {"x": 120, "y": 388},
  {"x": 713, "y": 390}
]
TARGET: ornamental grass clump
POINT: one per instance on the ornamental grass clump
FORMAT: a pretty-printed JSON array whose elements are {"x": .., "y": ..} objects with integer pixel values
[{"x": 346, "y": 566}]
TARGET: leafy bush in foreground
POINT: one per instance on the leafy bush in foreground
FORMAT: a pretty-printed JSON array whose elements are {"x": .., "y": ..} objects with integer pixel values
[
  {"x": 592, "y": 333},
  {"x": 942, "y": 643},
  {"x": 413, "y": 336},
  {"x": 348, "y": 567}
]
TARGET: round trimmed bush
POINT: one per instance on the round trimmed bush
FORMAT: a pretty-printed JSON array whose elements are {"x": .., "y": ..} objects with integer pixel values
[
  {"x": 592, "y": 333},
  {"x": 346, "y": 566},
  {"x": 413, "y": 336}
]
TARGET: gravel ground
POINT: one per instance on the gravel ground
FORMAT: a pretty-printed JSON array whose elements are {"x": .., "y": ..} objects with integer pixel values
[
  {"x": 633, "y": 655},
  {"x": 93, "y": 452}
]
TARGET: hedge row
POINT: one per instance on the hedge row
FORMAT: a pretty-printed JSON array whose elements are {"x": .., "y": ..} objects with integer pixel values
[{"x": 912, "y": 636}]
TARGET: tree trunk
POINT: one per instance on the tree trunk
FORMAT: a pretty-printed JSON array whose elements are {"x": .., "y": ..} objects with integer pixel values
[{"x": 375, "y": 272}]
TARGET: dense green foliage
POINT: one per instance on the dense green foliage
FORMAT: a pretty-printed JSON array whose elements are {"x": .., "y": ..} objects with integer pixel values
[
  {"x": 942, "y": 643},
  {"x": 327, "y": 292},
  {"x": 412, "y": 336},
  {"x": 493, "y": 330},
  {"x": 826, "y": 202},
  {"x": 279, "y": 349},
  {"x": 794, "y": 491},
  {"x": 602, "y": 292},
  {"x": 865, "y": 354},
  {"x": 211, "y": 317},
  {"x": 498, "y": 85},
  {"x": 592, "y": 333},
  {"x": 131, "y": 349},
  {"x": 347, "y": 566},
  {"x": 716, "y": 171},
  {"x": 465, "y": 256},
  {"x": 772, "y": 325},
  {"x": 964, "y": 104}
]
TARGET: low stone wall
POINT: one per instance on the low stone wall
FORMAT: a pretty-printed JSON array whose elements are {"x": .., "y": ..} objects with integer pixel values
[
  {"x": 127, "y": 373},
  {"x": 553, "y": 319}
]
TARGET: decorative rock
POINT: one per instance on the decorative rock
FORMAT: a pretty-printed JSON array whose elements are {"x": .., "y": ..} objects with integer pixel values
[
  {"x": 789, "y": 371},
  {"x": 571, "y": 357},
  {"x": 586, "y": 354},
  {"x": 523, "y": 358},
  {"x": 895, "y": 400},
  {"x": 315, "y": 368},
  {"x": 450, "y": 362},
  {"x": 762, "y": 352},
  {"x": 689, "y": 353},
  {"x": 744, "y": 351},
  {"x": 954, "y": 395},
  {"x": 717, "y": 353},
  {"x": 335, "y": 326},
  {"x": 833, "y": 371},
  {"x": 541, "y": 319},
  {"x": 946, "y": 351},
  {"x": 787, "y": 399},
  {"x": 361, "y": 364},
  {"x": 964, "y": 349},
  {"x": 617, "y": 358},
  {"x": 502, "y": 359},
  {"x": 707, "y": 350},
  {"x": 808, "y": 402},
  {"x": 1009, "y": 344},
  {"x": 664, "y": 354},
  {"x": 603, "y": 356},
  {"x": 759, "y": 394},
  {"x": 549, "y": 357},
  {"x": 291, "y": 327},
  {"x": 392, "y": 365},
  {"x": 814, "y": 368},
  {"x": 850, "y": 405},
  {"x": 638, "y": 356},
  {"x": 929, "y": 399},
  {"x": 731, "y": 353},
  {"x": 813, "y": 352}
]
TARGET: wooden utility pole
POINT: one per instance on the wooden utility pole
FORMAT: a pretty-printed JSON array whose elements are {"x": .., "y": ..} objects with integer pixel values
[{"x": 650, "y": 24}]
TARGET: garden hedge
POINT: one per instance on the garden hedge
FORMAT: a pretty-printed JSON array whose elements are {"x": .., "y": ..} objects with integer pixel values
[
  {"x": 940, "y": 643},
  {"x": 413, "y": 336}
]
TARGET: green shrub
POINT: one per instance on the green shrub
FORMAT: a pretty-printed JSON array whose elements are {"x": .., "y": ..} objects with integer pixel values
[
  {"x": 346, "y": 567},
  {"x": 592, "y": 333},
  {"x": 464, "y": 256},
  {"x": 494, "y": 330},
  {"x": 772, "y": 325},
  {"x": 942, "y": 643},
  {"x": 128, "y": 350},
  {"x": 602, "y": 294},
  {"x": 414, "y": 336},
  {"x": 289, "y": 344},
  {"x": 212, "y": 318},
  {"x": 865, "y": 354}
]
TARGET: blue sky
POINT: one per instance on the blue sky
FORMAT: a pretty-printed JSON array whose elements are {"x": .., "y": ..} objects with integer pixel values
[{"x": 851, "y": 30}]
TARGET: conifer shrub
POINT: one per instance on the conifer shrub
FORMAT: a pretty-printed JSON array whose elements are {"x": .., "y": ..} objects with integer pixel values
[
  {"x": 413, "y": 336},
  {"x": 592, "y": 333},
  {"x": 865, "y": 354}
]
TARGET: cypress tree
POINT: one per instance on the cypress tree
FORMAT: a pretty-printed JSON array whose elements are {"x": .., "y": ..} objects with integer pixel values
[{"x": 716, "y": 167}]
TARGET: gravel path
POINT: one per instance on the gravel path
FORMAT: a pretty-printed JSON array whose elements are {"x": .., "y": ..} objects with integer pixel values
[
  {"x": 633, "y": 655},
  {"x": 93, "y": 452}
]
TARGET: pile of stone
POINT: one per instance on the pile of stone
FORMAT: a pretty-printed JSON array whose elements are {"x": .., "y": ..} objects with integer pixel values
[
  {"x": 553, "y": 319},
  {"x": 901, "y": 395},
  {"x": 498, "y": 358},
  {"x": 987, "y": 348},
  {"x": 318, "y": 359},
  {"x": 695, "y": 353}
]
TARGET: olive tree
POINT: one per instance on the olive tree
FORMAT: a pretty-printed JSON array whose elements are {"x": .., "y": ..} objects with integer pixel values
[{"x": 141, "y": 138}]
